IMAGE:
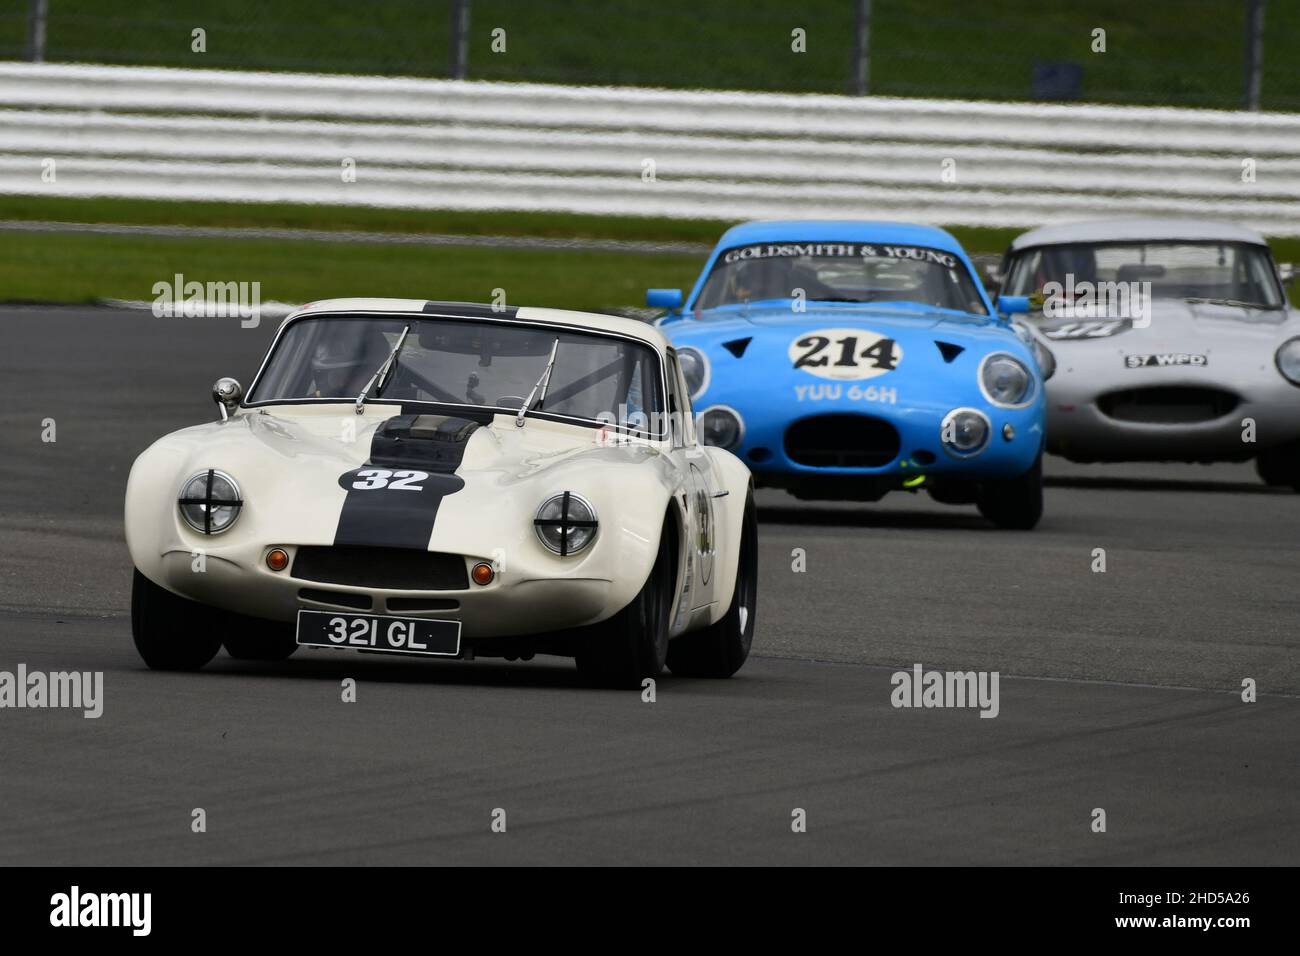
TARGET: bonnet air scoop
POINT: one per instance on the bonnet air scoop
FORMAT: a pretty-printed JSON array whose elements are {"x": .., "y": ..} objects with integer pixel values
[
  {"x": 434, "y": 442},
  {"x": 948, "y": 350},
  {"x": 737, "y": 346}
]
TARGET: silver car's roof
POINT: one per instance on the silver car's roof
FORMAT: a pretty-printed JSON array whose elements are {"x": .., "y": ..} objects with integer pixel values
[{"x": 1121, "y": 230}]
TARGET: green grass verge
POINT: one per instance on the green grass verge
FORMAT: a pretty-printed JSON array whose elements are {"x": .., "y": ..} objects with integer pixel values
[
  {"x": 358, "y": 218},
  {"x": 70, "y": 267},
  {"x": 1176, "y": 52},
  {"x": 83, "y": 268},
  {"x": 556, "y": 225}
]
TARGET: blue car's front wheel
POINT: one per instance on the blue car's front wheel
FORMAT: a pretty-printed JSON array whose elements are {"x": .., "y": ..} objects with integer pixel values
[{"x": 1014, "y": 503}]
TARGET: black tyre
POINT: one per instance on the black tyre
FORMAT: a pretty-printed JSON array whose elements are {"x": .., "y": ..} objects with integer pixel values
[
  {"x": 256, "y": 640},
  {"x": 1280, "y": 466},
  {"x": 171, "y": 633},
  {"x": 720, "y": 649},
  {"x": 633, "y": 644},
  {"x": 1015, "y": 503}
]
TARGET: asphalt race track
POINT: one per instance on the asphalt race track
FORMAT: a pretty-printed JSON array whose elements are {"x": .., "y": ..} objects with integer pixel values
[{"x": 1119, "y": 690}]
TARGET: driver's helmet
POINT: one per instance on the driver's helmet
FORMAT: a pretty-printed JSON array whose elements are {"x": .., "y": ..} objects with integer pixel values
[
  {"x": 336, "y": 370},
  {"x": 744, "y": 281},
  {"x": 342, "y": 363}
]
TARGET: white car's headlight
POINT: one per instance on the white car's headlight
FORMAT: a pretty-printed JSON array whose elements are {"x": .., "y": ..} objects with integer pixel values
[
  {"x": 1006, "y": 380},
  {"x": 210, "y": 502},
  {"x": 722, "y": 427},
  {"x": 964, "y": 432},
  {"x": 565, "y": 523},
  {"x": 1288, "y": 361},
  {"x": 695, "y": 369}
]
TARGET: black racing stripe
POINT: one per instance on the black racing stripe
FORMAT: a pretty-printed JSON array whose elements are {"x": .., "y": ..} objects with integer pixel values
[
  {"x": 391, "y": 508},
  {"x": 471, "y": 310}
]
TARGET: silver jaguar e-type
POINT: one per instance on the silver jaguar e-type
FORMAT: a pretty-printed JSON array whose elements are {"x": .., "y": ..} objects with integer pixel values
[{"x": 1164, "y": 341}]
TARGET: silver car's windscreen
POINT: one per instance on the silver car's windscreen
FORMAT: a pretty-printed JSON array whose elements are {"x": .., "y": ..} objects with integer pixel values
[
  {"x": 466, "y": 363},
  {"x": 1224, "y": 271},
  {"x": 841, "y": 272}
]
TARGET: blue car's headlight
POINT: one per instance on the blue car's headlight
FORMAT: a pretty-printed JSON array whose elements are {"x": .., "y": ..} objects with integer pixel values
[
  {"x": 695, "y": 369},
  {"x": 964, "y": 432},
  {"x": 1005, "y": 380},
  {"x": 722, "y": 427}
]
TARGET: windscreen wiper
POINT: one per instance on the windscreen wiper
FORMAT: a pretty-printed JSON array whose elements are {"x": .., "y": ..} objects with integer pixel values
[
  {"x": 380, "y": 378},
  {"x": 543, "y": 384},
  {"x": 1235, "y": 302}
]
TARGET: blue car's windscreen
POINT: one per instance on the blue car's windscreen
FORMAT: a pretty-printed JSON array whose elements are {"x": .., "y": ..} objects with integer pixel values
[
  {"x": 841, "y": 272},
  {"x": 596, "y": 378}
]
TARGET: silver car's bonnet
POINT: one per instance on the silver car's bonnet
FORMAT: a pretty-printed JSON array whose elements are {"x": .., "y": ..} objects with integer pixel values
[{"x": 1178, "y": 388}]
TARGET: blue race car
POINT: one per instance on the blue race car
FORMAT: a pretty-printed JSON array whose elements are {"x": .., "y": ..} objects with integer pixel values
[{"x": 843, "y": 360}]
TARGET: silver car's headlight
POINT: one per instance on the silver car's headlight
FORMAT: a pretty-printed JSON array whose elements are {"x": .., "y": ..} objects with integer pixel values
[
  {"x": 1042, "y": 354},
  {"x": 695, "y": 369},
  {"x": 722, "y": 427},
  {"x": 210, "y": 501},
  {"x": 1288, "y": 360},
  {"x": 1046, "y": 360},
  {"x": 565, "y": 523},
  {"x": 1005, "y": 380}
]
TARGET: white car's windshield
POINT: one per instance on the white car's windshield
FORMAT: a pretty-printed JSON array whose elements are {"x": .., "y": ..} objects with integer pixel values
[
  {"x": 1229, "y": 272},
  {"x": 841, "y": 272},
  {"x": 463, "y": 362}
]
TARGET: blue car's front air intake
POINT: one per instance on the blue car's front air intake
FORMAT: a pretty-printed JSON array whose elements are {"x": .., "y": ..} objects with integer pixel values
[{"x": 841, "y": 441}]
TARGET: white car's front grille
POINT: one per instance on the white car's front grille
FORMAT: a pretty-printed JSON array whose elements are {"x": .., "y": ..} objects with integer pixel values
[{"x": 398, "y": 569}]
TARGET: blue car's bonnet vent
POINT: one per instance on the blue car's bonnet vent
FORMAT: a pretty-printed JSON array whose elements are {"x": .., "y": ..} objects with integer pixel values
[
  {"x": 737, "y": 346},
  {"x": 949, "y": 351}
]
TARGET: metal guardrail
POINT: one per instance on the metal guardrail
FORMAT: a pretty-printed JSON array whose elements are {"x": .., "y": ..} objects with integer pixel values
[{"x": 438, "y": 144}]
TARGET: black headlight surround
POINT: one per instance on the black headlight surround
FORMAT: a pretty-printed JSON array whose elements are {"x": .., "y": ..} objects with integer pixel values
[
  {"x": 208, "y": 502},
  {"x": 564, "y": 521}
]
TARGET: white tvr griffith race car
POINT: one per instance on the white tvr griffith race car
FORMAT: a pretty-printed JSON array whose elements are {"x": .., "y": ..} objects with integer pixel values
[{"x": 450, "y": 480}]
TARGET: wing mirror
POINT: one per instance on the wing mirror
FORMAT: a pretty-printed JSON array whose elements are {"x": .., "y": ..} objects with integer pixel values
[
  {"x": 1286, "y": 272},
  {"x": 663, "y": 298},
  {"x": 1013, "y": 304},
  {"x": 227, "y": 393}
]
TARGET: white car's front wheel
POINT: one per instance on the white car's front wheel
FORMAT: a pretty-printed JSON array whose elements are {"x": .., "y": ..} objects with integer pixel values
[
  {"x": 720, "y": 649},
  {"x": 633, "y": 644},
  {"x": 171, "y": 633}
]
